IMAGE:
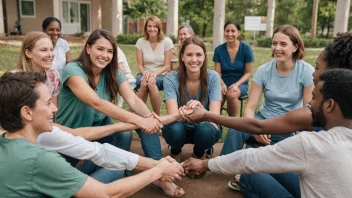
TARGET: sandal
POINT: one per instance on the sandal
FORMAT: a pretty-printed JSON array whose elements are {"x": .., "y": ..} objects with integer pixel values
[{"x": 177, "y": 189}]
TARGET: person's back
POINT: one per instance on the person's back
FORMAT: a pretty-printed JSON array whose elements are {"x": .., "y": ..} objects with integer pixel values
[{"x": 28, "y": 171}]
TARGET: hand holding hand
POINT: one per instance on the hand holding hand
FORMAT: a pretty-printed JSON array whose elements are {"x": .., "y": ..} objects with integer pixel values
[
  {"x": 194, "y": 103},
  {"x": 197, "y": 116},
  {"x": 184, "y": 111},
  {"x": 150, "y": 125},
  {"x": 197, "y": 165},
  {"x": 169, "y": 171},
  {"x": 233, "y": 88},
  {"x": 264, "y": 139}
]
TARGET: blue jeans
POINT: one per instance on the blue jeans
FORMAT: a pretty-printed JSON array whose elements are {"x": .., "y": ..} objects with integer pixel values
[
  {"x": 262, "y": 184},
  {"x": 235, "y": 139},
  {"x": 101, "y": 174},
  {"x": 279, "y": 185},
  {"x": 150, "y": 144},
  {"x": 204, "y": 135},
  {"x": 159, "y": 81}
]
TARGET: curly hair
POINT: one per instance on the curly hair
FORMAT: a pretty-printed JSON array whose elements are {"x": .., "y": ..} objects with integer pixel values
[
  {"x": 338, "y": 86},
  {"x": 339, "y": 53}
]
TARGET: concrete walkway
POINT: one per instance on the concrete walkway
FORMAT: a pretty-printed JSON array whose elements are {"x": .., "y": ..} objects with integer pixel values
[{"x": 212, "y": 185}]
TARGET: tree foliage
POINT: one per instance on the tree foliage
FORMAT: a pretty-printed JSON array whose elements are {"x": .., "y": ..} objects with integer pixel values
[
  {"x": 199, "y": 13},
  {"x": 140, "y": 9}
]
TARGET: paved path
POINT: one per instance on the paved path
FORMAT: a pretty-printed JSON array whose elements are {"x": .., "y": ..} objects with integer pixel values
[{"x": 212, "y": 185}]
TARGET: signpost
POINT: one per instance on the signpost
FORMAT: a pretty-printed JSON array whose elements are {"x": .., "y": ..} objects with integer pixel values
[{"x": 255, "y": 23}]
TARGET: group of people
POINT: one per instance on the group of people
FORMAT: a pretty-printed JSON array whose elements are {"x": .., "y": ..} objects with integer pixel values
[{"x": 50, "y": 103}]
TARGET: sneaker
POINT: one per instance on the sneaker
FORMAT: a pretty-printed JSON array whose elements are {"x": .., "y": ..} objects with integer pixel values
[{"x": 233, "y": 183}]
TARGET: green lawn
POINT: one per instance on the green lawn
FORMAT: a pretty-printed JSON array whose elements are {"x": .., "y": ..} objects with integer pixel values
[{"x": 9, "y": 56}]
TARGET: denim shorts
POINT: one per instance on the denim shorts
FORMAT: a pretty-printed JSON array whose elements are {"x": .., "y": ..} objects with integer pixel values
[{"x": 159, "y": 81}]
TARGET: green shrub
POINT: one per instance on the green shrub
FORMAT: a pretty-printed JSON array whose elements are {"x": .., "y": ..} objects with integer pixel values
[
  {"x": 128, "y": 38},
  {"x": 173, "y": 38},
  {"x": 264, "y": 42},
  {"x": 132, "y": 38}
]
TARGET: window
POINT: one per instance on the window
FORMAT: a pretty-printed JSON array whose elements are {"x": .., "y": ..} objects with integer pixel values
[{"x": 27, "y": 8}]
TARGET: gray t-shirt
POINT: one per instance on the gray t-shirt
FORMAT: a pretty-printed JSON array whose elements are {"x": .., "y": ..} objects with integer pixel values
[
  {"x": 282, "y": 93},
  {"x": 171, "y": 89},
  {"x": 323, "y": 161}
]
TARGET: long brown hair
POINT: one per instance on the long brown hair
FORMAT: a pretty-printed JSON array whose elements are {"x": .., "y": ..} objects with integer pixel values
[
  {"x": 159, "y": 25},
  {"x": 110, "y": 71},
  {"x": 28, "y": 43},
  {"x": 182, "y": 74}
]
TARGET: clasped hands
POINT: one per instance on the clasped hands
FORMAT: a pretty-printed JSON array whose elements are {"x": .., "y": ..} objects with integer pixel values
[{"x": 171, "y": 170}]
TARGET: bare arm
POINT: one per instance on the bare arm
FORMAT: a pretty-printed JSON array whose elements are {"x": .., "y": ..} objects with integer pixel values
[
  {"x": 122, "y": 68},
  {"x": 68, "y": 57},
  {"x": 253, "y": 100},
  {"x": 127, "y": 186},
  {"x": 296, "y": 120},
  {"x": 132, "y": 100},
  {"x": 167, "y": 61},
  {"x": 85, "y": 93},
  {"x": 95, "y": 133}
]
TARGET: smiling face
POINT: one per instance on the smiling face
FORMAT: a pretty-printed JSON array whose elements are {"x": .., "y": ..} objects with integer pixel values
[
  {"x": 231, "y": 33},
  {"x": 282, "y": 47},
  {"x": 193, "y": 58},
  {"x": 152, "y": 29},
  {"x": 43, "y": 112},
  {"x": 54, "y": 31},
  {"x": 183, "y": 34},
  {"x": 316, "y": 107},
  {"x": 100, "y": 53},
  {"x": 42, "y": 54}
]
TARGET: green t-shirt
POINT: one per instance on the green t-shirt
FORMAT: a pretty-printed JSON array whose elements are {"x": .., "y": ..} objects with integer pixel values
[
  {"x": 72, "y": 111},
  {"x": 27, "y": 170}
]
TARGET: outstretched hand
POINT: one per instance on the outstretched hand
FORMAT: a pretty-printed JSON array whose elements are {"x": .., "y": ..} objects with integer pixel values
[{"x": 195, "y": 165}]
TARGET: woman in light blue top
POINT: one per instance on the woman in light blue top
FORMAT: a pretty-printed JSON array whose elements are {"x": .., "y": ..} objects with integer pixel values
[
  {"x": 233, "y": 62},
  {"x": 192, "y": 85},
  {"x": 287, "y": 84}
]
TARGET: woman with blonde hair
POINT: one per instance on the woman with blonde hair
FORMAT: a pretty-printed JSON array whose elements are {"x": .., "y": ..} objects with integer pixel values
[
  {"x": 183, "y": 32},
  {"x": 154, "y": 53},
  {"x": 37, "y": 55}
]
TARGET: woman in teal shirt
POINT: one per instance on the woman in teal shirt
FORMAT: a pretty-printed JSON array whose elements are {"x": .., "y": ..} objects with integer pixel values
[{"x": 90, "y": 86}]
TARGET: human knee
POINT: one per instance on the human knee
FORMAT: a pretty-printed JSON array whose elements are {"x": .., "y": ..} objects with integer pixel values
[
  {"x": 233, "y": 96},
  {"x": 174, "y": 131},
  {"x": 207, "y": 131}
]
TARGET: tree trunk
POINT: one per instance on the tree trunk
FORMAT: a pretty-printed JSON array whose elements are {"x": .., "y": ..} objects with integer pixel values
[
  {"x": 218, "y": 22},
  {"x": 205, "y": 25},
  {"x": 314, "y": 19},
  {"x": 341, "y": 17},
  {"x": 270, "y": 19},
  {"x": 172, "y": 17},
  {"x": 329, "y": 22}
]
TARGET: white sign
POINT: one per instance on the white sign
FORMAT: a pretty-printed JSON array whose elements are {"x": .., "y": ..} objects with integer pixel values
[{"x": 255, "y": 23}]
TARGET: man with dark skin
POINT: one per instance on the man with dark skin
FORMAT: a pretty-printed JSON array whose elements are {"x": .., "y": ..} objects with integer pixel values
[{"x": 314, "y": 156}]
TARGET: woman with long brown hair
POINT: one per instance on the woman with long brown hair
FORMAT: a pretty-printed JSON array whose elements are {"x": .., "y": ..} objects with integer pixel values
[{"x": 192, "y": 85}]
